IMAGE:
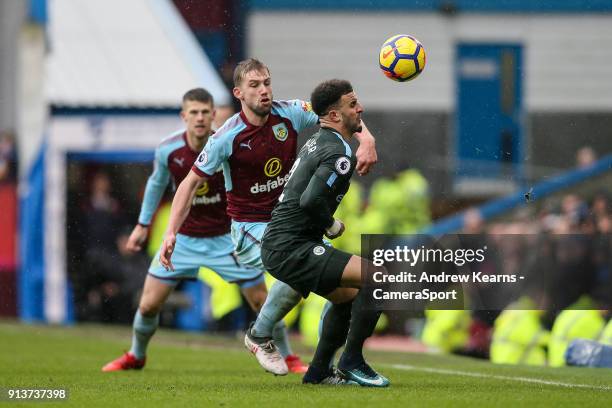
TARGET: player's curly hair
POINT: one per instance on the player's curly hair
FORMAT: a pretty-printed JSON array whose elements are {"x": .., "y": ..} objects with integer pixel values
[
  {"x": 199, "y": 95},
  {"x": 326, "y": 95},
  {"x": 246, "y": 66}
]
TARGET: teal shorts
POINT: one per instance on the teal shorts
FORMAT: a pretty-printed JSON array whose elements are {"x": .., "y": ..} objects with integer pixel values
[
  {"x": 215, "y": 253},
  {"x": 308, "y": 267},
  {"x": 247, "y": 242}
]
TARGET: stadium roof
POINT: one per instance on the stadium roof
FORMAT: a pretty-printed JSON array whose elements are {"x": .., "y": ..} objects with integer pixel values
[{"x": 126, "y": 54}]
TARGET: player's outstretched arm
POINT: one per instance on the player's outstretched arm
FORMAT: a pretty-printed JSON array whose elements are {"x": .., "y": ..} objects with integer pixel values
[
  {"x": 181, "y": 204},
  {"x": 366, "y": 153}
]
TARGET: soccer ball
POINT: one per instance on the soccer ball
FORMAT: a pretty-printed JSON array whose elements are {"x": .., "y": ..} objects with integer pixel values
[{"x": 402, "y": 58}]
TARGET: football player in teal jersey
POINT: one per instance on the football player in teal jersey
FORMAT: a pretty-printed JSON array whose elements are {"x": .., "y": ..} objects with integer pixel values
[{"x": 293, "y": 250}]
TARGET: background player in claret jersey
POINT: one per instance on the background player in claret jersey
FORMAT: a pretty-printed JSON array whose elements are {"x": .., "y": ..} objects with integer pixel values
[
  {"x": 293, "y": 250},
  {"x": 256, "y": 148},
  {"x": 203, "y": 239}
]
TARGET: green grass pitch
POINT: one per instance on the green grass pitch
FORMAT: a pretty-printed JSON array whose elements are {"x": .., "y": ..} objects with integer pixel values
[{"x": 194, "y": 370}]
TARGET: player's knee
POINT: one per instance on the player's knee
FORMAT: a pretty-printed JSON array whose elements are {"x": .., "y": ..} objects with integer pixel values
[
  {"x": 285, "y": 294},
  {"x": 257, "y": 299},
  {"x": 356, "y": 271},
  {"x": 342, "y": 296},
  {"x": 376, "y": 269},
  {"x": 148, "y": 309},
  {"x": 376, "y": 275},
  {"x": 256, "y": 296}
]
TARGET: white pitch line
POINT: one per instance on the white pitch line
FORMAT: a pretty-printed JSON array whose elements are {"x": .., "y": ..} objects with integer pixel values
[{"x": 498, "y": 377}]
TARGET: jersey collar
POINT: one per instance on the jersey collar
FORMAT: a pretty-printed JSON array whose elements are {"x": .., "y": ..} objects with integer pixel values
[
  {"x": 347, "y": 147},
  {"x": 249, "y": 124}
]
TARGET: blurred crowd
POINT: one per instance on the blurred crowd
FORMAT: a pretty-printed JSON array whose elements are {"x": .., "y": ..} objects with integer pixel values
[
  {"x": 563, "y": 249},
  {"x": 105, "y": 277}
]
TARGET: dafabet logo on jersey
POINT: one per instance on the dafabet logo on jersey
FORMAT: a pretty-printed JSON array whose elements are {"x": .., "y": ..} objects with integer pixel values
[
  {"x": 203, "y": 189},
  {"x": 273, "y": 167},
  {"x": 201, "y": 198},
  {"x": 280, "y": 132}
]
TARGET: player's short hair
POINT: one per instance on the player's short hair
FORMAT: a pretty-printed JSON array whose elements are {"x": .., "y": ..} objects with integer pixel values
[
  {"x": 246, "y": 66},
  {"x": 199, "y": 95},
  {"x": 327, "y": 95}
]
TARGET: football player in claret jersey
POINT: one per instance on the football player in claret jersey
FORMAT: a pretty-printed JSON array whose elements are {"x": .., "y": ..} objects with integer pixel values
[
  {"x": 293, "y": 250},
  {"x": 203, "y": 239},
  {"x": 256, "y": 148}
]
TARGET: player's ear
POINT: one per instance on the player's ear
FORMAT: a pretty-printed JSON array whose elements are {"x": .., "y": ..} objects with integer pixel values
[
  {"x": 183, "y": 115},
  {"x": 237, "y": 92},
  {"x": 334, "y": 115}
]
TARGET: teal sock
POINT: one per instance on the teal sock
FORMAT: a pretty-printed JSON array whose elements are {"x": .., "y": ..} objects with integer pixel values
[
  {"x": 144, "y": 328},
  {"x": 326, "y": 308},
  {"x": 363, "y": 322},
  {"x": 334, "y": 329},
  {"x": 281, "y": 339},
  {"x": 281, "y": 299}
]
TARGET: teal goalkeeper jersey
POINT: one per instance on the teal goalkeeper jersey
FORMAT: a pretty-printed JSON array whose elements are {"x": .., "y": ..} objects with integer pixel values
[{"x": 317, "y": 183}]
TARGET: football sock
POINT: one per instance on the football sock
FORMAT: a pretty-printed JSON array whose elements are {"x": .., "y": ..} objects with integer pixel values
[
  {"x": 326, "y": 308},
  {"x": 335, "y": 326},
  {"x": 144, "y": 328},
  {"x": 281, "y": 299},
  {"x": 363, "y": 322},
  {"x": 281, "y": 340},
  {"x": 315, "y": 375}
]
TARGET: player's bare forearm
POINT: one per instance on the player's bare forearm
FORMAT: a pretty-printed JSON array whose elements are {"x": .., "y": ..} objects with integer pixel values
[
  {"x": 181, "y": 204},
  {"x": 366, "y": 153}
]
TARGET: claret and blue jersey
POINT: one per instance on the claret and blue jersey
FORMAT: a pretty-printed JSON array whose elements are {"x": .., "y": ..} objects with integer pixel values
[
  {"x": 173, "y": 160},
  {"x": 256, "y": 159}
]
